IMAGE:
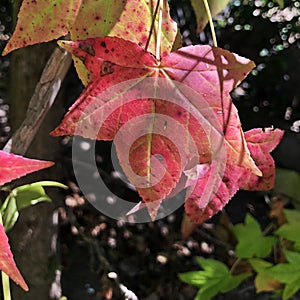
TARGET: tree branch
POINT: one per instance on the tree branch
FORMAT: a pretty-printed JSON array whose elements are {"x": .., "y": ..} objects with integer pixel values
[{"x": 41, "y": 101}]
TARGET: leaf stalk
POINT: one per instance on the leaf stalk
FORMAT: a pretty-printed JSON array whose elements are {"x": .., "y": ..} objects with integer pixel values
[{"x": 211, "y": 24}]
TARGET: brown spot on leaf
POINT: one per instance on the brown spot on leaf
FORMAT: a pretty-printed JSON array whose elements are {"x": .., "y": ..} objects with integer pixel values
[
  {"x": 106, "y": 68},
  {"x": 87, "y": 48}
]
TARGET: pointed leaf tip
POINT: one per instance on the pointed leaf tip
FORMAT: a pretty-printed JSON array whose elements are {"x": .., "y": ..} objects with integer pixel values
[
  {"x": 7, "y": 263},
  {"x": 15, "y": 166}
]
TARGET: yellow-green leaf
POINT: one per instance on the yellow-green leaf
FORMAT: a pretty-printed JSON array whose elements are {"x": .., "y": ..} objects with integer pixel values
[{"x": 215, "y": 7}]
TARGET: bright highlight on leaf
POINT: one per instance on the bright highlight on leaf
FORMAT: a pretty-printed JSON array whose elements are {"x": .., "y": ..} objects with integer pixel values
[{"x": 214, "y": 279}]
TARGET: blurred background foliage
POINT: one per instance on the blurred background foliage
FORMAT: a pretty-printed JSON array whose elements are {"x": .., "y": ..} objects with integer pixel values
[{"x": 268, "y": 35}]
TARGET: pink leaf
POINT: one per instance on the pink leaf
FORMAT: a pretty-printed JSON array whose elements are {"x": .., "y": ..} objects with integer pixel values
[
  {"x": 14, "y": 166},
  {"x": 154, "y": 152},
  {"x": 260, "y": 143},
  {"x": 203, "y": 203},
  {"x": 7, "y": 263}
]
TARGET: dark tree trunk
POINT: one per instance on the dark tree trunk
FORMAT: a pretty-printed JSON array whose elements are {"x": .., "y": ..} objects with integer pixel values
[{"x": 34, "y": 236}]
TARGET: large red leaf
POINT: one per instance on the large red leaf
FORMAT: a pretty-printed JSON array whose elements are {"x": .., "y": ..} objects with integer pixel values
[
  {"x": 14, "y": 166},
  {"x": 209, "y": 72},
  {"x": 7, "y": 263}
]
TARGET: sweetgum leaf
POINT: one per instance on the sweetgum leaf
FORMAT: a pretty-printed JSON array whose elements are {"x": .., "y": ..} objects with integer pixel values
[
  {"x": 42, "y": 21},
  {"x": 14, "y": 166},
  {"x": 105, "y": 107},
  {"x": 7, "y": 263},
  {"x": 251, "y": 242},
  {"x": 131, "y": 20}
]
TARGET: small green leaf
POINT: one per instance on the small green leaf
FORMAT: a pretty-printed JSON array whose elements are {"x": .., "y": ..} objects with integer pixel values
[
  {"x": 212, "y": 266},
  {"x": 288, "y": 273},
  {"x": 196, "y": 278},
  {"x": 264, "y": 280},
  {"x": 251, "y": 242},
  {"x": 292, "y": 257},
  {"x": 290, "y": 232},
  {"x": 290, "y": 289},
  {"x": 215, "y": 278},
  {"x": 9, "y": 211},
  {"x": 292, "y": 215},
  {"x": 24, "y": 196},
  {"x": 235, "y": 281},
  {"x": 215, "y": 7},
  {"x": 287, "y": 182},
  {"x": 280, "y": 3},
  {"x": 212, "y": 288}
]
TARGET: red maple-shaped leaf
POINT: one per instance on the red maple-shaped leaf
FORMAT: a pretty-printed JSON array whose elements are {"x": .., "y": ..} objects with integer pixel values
[
  {"x": 14, "y": 166},
  {"x": 165, "y": 117},
  {"x": 260, "y": 143},
  {"x": 7, "y": 263}
]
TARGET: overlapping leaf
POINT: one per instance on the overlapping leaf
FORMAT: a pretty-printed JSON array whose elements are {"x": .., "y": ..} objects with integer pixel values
[
  {"x": 7, "y": 263},
  {"x": 215, "y": 7},
  {"x": 260, "y": 143},
  {"x": 264, "y": 281},
  {"x": 289, "y": 274},
  {"x": 211, "y": 73},
  {"x": 42, "y": 21},
  {"x": 14, "y": 166},
  {"x": 215, "y": 278}
]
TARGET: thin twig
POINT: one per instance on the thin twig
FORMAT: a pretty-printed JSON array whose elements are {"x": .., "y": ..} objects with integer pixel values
[{"x": 43, "y": 98}]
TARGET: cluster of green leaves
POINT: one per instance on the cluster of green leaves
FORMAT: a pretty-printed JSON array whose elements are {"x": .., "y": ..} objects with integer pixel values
[{"x": 254, "y": 249}]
